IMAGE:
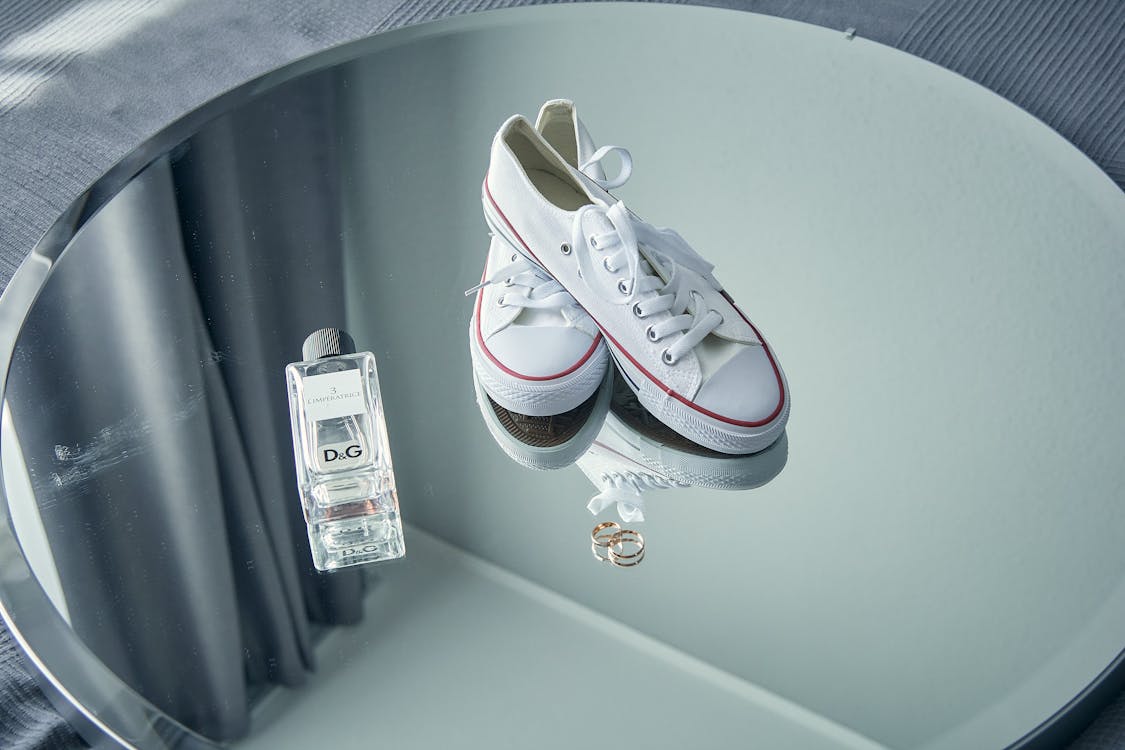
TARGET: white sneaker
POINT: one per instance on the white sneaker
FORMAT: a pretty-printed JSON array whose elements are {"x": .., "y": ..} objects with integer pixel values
[
  {"x": 548, "y": 442},
  {"x": 534, "y": 350},
  {"x": 635, "y": 453},
  {"x": 508, "y": 356},
  {"x": 693, "y": 358}
]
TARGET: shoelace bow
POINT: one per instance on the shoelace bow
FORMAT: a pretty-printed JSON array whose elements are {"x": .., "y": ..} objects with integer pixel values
[
  {"x": 637, "y": 281},
  {"x": 626, "y": 491}
]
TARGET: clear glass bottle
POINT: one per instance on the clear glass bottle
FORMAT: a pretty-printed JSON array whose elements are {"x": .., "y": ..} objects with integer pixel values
[{"x": 344, "y": 471}]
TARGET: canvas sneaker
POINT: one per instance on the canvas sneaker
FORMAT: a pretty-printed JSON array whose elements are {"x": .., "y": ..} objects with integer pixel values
[
  {"x": 546, "y": 442},
  {"x": 535, "y": 363},
  {"x": 690, "y": 354},
  {"x": 534, "y": 350},
  {"x": 636, "y": 453}
]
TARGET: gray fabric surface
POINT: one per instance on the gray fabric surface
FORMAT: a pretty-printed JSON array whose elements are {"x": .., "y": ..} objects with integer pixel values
[
  {"x": 1108, "y": 730},
  {"x": 27, "y": 720},
  {"x": 74, "y": 114},
  {"x": 881, "y": 20},
  {"x": 1061, "y": 60},
  {"x": 83, "y": 84}
]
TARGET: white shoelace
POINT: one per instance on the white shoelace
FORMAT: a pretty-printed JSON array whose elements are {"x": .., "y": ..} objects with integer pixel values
[
  {"x": 620, "y": 254},
  {"x": 528, "y": 286},
  {"x": 596, "y": 158}
]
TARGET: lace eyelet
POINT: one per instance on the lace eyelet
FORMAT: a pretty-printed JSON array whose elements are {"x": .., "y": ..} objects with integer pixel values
[
  {"x": 500, "y": 301},
  {"x": 593, "y": 242},
  {"x": 622, "y": 287},
  {"x": 667, "y": 358},
  {"x": 637, "y": 310},
  {"x": 565, "y": 248},
  {"x": 508, "y": 281},
  {"x": 514, "y": 256},
  {"x": 607, "y": 266},
  {"x": 651, "y": 334}
]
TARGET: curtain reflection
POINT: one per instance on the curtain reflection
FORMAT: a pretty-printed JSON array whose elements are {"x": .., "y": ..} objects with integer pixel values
[{"x": 148, "y": 396}]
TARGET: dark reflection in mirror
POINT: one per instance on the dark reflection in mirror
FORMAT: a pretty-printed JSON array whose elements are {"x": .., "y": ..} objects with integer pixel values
[
  {"x": 147, "y": 397},
  {"x": 635, "y": 453},
  {"x": 624, "y": 450}
]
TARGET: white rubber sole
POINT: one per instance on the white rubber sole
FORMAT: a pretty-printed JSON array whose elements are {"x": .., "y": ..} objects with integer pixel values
[
  {"x": 710, "y": 432},
  {"x": 538, "y": 398},
  {"x": 711, "y": 472}
]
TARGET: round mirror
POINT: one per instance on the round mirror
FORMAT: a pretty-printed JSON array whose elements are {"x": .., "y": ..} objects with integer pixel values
[{"x": 917, "y": 544}]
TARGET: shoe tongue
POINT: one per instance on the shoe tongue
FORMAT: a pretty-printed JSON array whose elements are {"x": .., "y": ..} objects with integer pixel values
[{"x": 652, "y": 267}]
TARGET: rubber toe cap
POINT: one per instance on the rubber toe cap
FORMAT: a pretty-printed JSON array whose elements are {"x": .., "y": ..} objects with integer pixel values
[
  {"x": 745, "y": 389},
  {"x": 540, "y": 352}
]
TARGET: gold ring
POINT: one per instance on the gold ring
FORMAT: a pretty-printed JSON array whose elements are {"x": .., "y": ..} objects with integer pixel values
[
  {"x": 601, "y": 539},
  {"x": 619, "y": 540},
  {"x": 631, "y": 563}
]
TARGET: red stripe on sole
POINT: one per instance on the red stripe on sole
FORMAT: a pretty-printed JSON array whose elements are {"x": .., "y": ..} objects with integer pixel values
[{"x": 534, "y": 378}]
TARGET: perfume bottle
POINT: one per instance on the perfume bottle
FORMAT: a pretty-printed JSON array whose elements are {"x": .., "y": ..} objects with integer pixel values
[{"x": 344, "y": 471}]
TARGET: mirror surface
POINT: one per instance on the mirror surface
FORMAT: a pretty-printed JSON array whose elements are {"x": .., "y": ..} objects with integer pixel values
[{"x": 929, "y": 557}]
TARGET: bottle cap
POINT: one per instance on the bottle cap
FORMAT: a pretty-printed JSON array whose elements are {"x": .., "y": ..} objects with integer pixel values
[{"x": 327, "y": 342}]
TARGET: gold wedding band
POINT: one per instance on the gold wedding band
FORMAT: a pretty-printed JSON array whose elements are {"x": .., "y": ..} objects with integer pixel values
[
  {"x": 631, "y": 563},
  {"x": 619, "y": 540},
  {"x": 608, "y": 541},
  {"x": 602, "y": 539}
]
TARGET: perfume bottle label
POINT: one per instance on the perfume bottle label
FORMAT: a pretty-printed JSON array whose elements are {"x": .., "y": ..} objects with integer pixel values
[
  {"x": 341, "y": 456},
  {"x": 334, "y": 394}
]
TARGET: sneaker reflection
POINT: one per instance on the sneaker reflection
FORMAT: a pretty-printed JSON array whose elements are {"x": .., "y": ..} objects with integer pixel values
[
  {"x": 635, "y": 453},
  {"x": 623, "y": 449},
  {"x": 548, "y": 442}
]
